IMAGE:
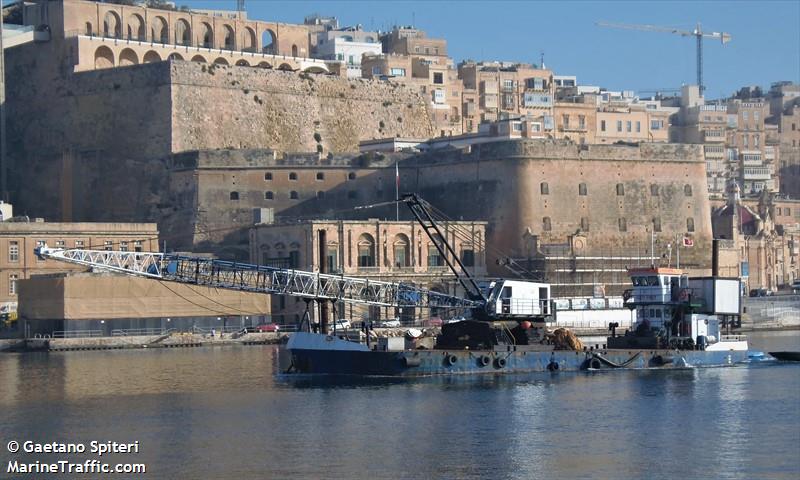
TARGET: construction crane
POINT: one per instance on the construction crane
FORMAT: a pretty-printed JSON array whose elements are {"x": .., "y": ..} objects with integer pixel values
[{"x": 697, "y": 33}]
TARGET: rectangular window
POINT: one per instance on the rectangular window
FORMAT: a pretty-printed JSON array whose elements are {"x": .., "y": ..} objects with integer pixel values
[
  {"x": 508, "y": 84},
  {"x": 468, "y": 257},
  {"x": 108, "y": 245},
  {"x": 438, "y": 78},
  {"x": 602, "y": 125},
  {"x": 619, "y": 125},
  {"x": 61, "y": 244},
  {"x": 123, "y": 246},
  {"x": 623, "y": 225},
  {"x": 376, "y": 70},
  {"x": 13, "y": 251},
  {"x": 628, "y": 126},
  {"x": 137, "y": 246},
  {"x": 12, "y": 283},
  {"x": 333, "y": 258},
  {"x": 398, "y": 72},
  {"x": 581, "y": 121},
  {"x": 638, "y": 127},
  {"x": 434, "y": 258},
  {"x": 565, "y": 120},
  {"x": 79, "y": 244},
  {"x": 294, "y": 259}
]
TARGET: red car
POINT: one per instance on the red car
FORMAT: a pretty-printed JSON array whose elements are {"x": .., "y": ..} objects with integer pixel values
[{"x": 268, "y": 327}]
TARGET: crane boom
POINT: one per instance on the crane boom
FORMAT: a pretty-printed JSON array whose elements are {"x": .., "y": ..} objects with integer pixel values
[
  {"x": 257, "y": 278},
  {"x": 697, "y": 33}
]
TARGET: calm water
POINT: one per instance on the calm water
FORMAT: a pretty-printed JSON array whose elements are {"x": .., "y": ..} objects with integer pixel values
[{"x": 221, "y": 413}]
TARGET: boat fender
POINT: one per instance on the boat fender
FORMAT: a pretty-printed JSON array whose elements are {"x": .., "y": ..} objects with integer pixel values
[
  {"x": 594, "y": 364},
  {"x": 451, "y": 359},
  {"x": 552, "y": 366},
  {"x": 484, "y": 360},
  {"x": 412, "y": 361},
  {"x": 500, "y": 363}
]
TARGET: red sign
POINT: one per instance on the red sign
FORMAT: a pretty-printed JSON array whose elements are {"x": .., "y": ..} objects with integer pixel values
[{"x": 688, "y": 242}]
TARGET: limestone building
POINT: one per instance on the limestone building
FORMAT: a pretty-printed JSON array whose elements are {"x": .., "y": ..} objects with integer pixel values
[
  {"x": 374, "y": 249},
  {"x": 18, "y": 239}
]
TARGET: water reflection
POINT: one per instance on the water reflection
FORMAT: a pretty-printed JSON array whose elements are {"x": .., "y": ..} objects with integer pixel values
[{"x": 223, "y": 413}]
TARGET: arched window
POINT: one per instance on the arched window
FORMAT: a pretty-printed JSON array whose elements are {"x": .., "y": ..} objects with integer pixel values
[
  {"x": 687, "y": 190},
  {"x": 690, "y": 224},
  {"x": 111, "y": 25},
  {"x": 294, "y": 50},
  {"x": 89, "y": 29},
  {"x": 292, "y": 176},
  {"x": 160, "y": 30},
  {"x": 620, "y": 190},
  {"x": 294, "y": 195},
  {"x": 136, "y": 28},
  {"x": 657, "y": 224},
  {"x": 401, "y": 251},
  {"x": 269, "y": 196},
  {"x": 207, "y": 35},
  {"x": 234, "y": 195},
  {"x": 366, "y": 250},
  {"x": 268, "y": 42},
  {"x": 623, "y": 224},
  {"x": 183, "y": 33},
  {"x": 268, "y": 176},
  {"x": 544, "y": 188},
  {"x": 582, "y": 189},
  {"x": 249, "y": 37},
  {"x": 546, "y": 225},
  {"x": 230, "y": 38}
]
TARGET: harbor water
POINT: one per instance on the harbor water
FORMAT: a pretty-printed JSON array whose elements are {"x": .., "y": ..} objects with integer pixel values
[{"x": 223, "y": 413}]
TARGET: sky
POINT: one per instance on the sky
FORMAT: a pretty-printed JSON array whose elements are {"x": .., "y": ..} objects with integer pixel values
[{"x": 765, "y": 45}]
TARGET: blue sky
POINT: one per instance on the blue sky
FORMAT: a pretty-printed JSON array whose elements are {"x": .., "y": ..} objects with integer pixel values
[{"x": 765, "y": 46}]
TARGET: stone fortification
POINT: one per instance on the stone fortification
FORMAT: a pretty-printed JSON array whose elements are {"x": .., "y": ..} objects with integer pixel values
[
  {"x": 591, "y": 201},
  {"x": 92, "y": 146},
  {"x": 233, "y": 107}
]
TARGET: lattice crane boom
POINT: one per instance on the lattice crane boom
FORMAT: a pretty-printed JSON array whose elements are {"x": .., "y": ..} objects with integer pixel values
[{"x": 257, "y": 278}]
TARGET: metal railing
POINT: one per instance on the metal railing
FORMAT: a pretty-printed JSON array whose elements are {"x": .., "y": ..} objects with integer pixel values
[
  {"x": 132, "y": 332},
  {"x": 77, "y": 333}
]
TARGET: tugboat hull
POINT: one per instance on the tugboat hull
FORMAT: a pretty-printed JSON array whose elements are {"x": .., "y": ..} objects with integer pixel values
[{"x": 321, "y": 354}]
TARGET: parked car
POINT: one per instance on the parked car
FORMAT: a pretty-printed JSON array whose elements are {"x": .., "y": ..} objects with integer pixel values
[
  {"x": 267, "y": 327},
  {"x": 455, "y": 320},
  {"x": 796, "y": 286},
  {"x": 760, "y": 292},
  {"x": 391, "y": 323}
]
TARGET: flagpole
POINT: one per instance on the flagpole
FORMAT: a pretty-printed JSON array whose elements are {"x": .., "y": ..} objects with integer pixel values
[
  {"x": 397, "y": 191},
  {"x": 678, "y": 246}
]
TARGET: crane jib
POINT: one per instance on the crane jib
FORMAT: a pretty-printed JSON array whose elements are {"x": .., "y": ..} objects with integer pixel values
[{"x": 258, "y": 278}]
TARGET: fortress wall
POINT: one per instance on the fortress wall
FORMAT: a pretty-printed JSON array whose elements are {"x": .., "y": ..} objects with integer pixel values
[
  {"x": 501, "y": 183},
  {"x": 234, "y": 107}
]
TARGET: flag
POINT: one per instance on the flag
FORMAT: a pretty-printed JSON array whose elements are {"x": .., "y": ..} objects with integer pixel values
[
  {"x": 688, "y": 242},
  {"x": 397, "y": 179}
]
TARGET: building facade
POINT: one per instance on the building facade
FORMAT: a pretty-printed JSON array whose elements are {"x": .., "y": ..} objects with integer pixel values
[
  {"x": 374, "y": 249},
  {"x": 19, "y": 239}
]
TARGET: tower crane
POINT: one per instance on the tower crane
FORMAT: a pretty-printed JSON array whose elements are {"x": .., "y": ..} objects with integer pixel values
[{"x": 698, "y": 33}]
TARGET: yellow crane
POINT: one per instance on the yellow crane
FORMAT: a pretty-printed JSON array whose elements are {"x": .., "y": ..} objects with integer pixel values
[{"x": 698, "y": 33}]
